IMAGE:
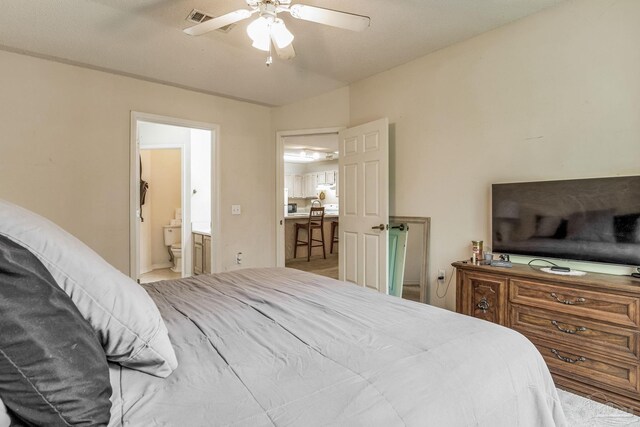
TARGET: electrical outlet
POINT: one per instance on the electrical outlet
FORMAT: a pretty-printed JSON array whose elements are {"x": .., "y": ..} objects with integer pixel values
[
  {"x": 235, "y": 209},
  {"x": 441, "y": 274},
  {"x": 239, "y": 258}
]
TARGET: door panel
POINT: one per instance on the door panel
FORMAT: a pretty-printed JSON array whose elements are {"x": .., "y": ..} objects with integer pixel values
[
  {"x": 372, "y": 261},
  {"x": 364, "y": 204},
  {"x": 371, "y": 142},
  {"x": 350, "y": 182},
  {"x": 372, "y": 189},
  {"x": 351, "y": 264}
]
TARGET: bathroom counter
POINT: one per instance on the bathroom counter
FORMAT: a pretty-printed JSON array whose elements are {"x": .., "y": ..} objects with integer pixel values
[{"x": 201, "y": 230}]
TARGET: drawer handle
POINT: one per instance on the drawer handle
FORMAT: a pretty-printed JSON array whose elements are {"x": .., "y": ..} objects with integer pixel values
[
  {"x": 578, "y": 300},
  {"x": 483, "y": 305},
  {"x": 568, "y": 331},
  {"x": 567, "y": 359}
]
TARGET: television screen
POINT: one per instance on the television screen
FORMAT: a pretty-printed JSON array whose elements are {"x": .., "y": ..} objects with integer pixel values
[{"x": 582, "y": 219}]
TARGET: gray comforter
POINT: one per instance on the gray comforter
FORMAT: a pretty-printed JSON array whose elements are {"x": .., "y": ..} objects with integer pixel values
[{"x": 280, "y": 347}]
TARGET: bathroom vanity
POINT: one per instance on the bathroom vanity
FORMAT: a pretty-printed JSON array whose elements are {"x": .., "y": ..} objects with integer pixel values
[{"x": 201, "y": 252}]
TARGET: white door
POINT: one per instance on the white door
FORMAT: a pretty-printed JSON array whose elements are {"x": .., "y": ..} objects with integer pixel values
[{"x": 364, "y": 204}]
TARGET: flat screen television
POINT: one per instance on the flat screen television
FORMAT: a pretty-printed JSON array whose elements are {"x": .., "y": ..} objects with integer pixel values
[{"x": 595, "y": 219}]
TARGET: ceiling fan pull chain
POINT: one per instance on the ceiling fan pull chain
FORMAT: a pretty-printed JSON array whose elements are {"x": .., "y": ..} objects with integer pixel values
[{"x": 269, "y": 58}]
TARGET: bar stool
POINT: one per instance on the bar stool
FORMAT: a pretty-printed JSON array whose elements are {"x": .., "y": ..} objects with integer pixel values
[
  {"x": 334, "y": 235},
  {"x": 316, "y": 221}
]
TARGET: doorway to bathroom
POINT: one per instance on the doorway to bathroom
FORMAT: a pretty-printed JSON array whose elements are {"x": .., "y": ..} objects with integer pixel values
[{"x": 174, "y": 207}]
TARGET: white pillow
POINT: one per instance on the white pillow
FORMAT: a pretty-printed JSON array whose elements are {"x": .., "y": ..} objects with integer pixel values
[
  {"x": 121, "y": 312},
  {"x": 4, "y": 417}
]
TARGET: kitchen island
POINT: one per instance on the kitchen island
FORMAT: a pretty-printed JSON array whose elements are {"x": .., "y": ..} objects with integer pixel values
[{"x": 290, "y": 235}]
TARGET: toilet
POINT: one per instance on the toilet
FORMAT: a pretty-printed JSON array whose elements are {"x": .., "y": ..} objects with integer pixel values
[{"x": 172, "y": 239}]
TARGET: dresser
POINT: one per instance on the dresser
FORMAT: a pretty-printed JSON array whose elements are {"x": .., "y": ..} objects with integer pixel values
[{"x": 585, "y": 327}]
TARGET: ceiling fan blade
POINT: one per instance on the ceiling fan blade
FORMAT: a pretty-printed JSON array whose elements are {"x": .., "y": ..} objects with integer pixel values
[
  {"x": 218, "y": 22},
  {"x": 287, "y": 52},
  {"x": 334, "y": 18}
]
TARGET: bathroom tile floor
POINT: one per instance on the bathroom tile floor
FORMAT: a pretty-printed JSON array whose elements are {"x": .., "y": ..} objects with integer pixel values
[{"x": 160, "y": 274}]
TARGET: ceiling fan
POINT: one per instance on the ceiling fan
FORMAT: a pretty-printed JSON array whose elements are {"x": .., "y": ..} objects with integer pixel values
[{"x": 268, "y": 29}]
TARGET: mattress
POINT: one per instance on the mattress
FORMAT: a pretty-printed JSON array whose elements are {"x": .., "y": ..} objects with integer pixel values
[{"x": 281, "y": 347}]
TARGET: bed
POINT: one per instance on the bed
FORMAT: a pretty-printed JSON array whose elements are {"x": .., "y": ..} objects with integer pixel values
[
  {"x": 82, "y": 344},
  {"x": 281, "y": 347}
]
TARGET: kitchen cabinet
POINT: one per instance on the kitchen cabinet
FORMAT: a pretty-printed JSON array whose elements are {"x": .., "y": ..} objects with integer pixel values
[
  {"x": 310, "y": 184},
  {"x": 330, "y": 177},
  {"x": 306, "y": 186},
  {"x": 288, "y": 184},
  {"x": 298, "y": 186}
]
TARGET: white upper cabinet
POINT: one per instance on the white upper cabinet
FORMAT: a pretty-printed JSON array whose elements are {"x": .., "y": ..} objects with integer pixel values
[
  {"x": 306, "y": 185},
  {"x": 288, "y": 184},
  {"x": 330, "y": 177},
  {"x": 321, "y": 178},
  {"x": 310, "y": 185},
  {"x": 298, "y": 186}
]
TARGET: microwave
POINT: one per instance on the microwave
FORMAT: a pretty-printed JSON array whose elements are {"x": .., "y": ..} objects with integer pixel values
[{"x": 292, "y": 208}]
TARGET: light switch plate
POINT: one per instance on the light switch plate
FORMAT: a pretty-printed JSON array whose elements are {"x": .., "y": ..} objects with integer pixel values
[{"x": 235, "y": 209}]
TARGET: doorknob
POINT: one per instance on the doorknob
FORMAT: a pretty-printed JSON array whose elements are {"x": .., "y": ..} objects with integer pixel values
[{"x": 378, "y": 227}]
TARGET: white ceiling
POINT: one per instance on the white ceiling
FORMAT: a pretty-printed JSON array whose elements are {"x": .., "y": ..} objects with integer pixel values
[{"x": 144, "y": 38}]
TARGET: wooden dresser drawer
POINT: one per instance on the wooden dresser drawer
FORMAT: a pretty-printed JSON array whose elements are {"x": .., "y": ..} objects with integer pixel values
[
  {"x": 605, "y": 339},
  {"x": 485, "y": 297},
  {"x": 618, "y": 309},
  {"x": 589, "y": 367}
]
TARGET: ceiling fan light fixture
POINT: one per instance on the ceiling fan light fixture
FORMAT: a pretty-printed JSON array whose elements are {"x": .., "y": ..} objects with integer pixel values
[
  {"x": 259, "y": 32},
  {"x": 281, "y": 34}
]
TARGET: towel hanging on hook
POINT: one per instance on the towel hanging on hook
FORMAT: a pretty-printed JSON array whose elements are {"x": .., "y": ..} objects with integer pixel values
[{"x": 144, "y": 186}]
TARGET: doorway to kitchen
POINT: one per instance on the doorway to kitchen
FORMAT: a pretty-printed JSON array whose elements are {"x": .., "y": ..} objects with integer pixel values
[
  {"x": 308, "y": 178},
  {"x": 174, "y": 198}
]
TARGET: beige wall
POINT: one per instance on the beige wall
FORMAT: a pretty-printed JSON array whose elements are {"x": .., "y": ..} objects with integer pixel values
[
  {"x": 556, "y": 95},
  {"x": 64, "y": 153},
  {"x": 325, "y": 111},
  {"x": 166, "y": 196}
]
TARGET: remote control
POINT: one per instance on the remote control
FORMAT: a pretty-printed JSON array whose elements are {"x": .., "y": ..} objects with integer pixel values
[
  {"x": 500, "y": 263},
  {"x": 636, "y": 275},
  {"x": 563, "y": 269}
]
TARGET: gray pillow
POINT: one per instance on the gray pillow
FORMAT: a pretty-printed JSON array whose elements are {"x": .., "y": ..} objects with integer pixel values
[
  {"x": 53, "y": 371},
  {"x": 127, "y": 321}
]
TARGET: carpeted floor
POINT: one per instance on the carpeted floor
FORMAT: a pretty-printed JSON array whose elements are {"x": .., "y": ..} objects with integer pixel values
[
  {"x": 329, "y": 268},
  {"x": 583, "y": 412},
  {"x": 318, "y": 265}
]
